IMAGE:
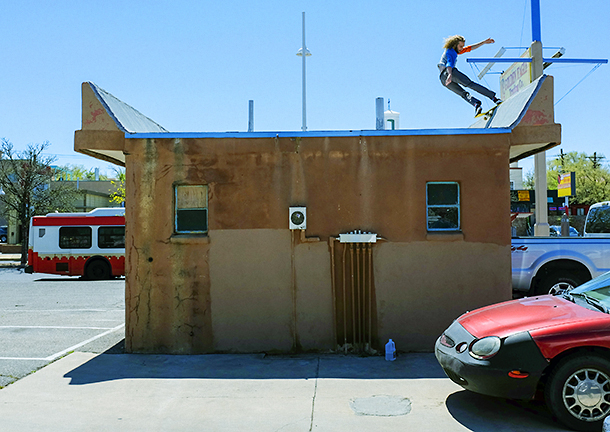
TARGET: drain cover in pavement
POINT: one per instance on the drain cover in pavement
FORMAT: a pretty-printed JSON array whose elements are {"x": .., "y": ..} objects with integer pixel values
[{"x": 380, "y": 405}]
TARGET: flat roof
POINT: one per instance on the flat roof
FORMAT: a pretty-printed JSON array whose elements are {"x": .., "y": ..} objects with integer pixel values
[{"x": 319, "y": 134}]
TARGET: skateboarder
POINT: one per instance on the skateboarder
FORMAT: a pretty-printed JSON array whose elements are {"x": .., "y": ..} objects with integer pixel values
[{"x": 453, "y": 79}]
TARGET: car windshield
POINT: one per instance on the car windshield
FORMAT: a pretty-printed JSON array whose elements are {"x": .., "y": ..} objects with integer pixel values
[{"x": 596, "y": 292}]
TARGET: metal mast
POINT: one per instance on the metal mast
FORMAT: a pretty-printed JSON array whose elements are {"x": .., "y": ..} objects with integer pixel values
[{"x": 304, "y": 53}]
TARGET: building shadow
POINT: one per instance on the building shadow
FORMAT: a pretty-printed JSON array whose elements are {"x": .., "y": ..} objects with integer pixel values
[
  {"x": 478, "y": 412},
  {"x": 114, "y": 364}
]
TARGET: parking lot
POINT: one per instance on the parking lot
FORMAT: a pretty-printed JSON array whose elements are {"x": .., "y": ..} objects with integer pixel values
[{"x": 45, "y": 317}]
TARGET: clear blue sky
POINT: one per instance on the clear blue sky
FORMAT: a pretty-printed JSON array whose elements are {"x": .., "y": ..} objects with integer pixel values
[{"x": 193, "y": 65}]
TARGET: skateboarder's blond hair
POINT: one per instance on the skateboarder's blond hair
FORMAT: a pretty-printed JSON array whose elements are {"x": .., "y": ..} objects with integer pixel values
[{"x": 452, "y": 41}]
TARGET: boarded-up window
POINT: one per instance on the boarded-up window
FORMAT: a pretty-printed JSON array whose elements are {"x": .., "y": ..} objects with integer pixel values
[
  {"x": 191, "y": 209},
  {"x": 443, "y": 206}
]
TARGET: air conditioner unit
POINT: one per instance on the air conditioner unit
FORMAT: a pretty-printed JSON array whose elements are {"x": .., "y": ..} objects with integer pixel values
[{"x": 297, "y": 218}]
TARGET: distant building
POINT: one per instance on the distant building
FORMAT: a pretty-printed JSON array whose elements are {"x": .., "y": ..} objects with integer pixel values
[
  {"x": 94, "y": 193},
  {"x": 297, "y": 241}
]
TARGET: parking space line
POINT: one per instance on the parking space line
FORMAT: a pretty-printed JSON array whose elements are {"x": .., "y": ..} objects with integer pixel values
[
  {"x": 62, "y": 310},
  {"x": 72, "y": 348},
  {"x": 22, "y": 358},
  {"x": 67, "y": 350},
  {"x": 56, "y": 327}
]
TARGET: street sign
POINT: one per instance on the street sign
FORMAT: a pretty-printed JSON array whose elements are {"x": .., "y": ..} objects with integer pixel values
[{"x": 566, "y": 185}]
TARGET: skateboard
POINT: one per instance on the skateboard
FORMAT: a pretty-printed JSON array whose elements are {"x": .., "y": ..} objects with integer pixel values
[{"x": 487, "y": 113}]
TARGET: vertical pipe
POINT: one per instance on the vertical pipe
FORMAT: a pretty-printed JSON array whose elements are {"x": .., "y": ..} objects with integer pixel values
[
  {"x": 370, "y": 296},
  {"x": 331, "y": 243},
  {"x": 251, "y": 116},
  {"x": 294, "y": 292},
  {"x": 344, "y": 267},
  {"x": 351, "y": 254},
  {"x": 379, "y": 113},
  {"x": 359, "y": 303}
]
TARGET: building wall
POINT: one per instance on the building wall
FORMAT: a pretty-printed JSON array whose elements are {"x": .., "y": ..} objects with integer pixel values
[{"x": 252, "y": 284}]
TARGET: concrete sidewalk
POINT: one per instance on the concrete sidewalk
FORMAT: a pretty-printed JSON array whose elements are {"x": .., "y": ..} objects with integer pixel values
[
  {"x": 123, "y": 392},
  {"x": 10, "y": 260}
]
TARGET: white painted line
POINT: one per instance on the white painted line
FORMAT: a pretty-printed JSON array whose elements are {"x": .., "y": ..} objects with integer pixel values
[
  {"x": 72, "y": 348},
  {"x": 67, "y": 350},
  {"x": 56, "y": 327},
  {"x": 16, "y": 309},
  {"x": 22, "y": 358}
]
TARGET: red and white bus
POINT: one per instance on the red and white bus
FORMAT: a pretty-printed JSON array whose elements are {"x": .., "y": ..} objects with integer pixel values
[{"x": 78, "y": 244}]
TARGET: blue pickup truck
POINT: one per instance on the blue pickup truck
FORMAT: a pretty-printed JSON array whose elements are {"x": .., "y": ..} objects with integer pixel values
[{"x": 542, "y": 265}]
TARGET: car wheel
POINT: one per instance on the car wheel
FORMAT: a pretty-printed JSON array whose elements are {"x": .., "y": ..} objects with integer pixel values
[
  {"x": 578, "y": 392},
  {"x": 98, "y": 270},
  {"x": 557, "y": 284}
]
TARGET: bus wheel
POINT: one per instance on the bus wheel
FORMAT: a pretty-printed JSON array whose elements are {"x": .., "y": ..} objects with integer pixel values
[{"x": 97, "y": 270}]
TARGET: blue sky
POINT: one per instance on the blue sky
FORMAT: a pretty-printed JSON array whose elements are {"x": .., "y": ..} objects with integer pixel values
[{"x": 194, "y": 65}]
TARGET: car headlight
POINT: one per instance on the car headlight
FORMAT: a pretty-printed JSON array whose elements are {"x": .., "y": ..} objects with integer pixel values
[{"x": 485, "y": 348}]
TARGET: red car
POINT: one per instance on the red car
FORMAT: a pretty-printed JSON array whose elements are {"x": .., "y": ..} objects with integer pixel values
[{"x": 557, "y": 347}]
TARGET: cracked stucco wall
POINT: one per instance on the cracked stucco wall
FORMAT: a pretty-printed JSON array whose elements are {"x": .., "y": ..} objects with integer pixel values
[{"x": 252, "y": 285}]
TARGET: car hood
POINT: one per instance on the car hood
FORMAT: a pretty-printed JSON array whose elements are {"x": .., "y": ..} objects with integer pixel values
[{"x": 505, "y": 319}]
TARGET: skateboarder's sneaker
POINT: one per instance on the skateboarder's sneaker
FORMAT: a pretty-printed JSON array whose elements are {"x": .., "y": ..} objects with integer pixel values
[
  {"x": 497, "y": 101},
  {"x": 477, "y": 110}
]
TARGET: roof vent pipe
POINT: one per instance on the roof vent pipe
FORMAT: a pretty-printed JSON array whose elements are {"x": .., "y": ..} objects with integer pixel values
[
  {"x": 251, "y": 116},
  {"x": 379, "y": 113}
]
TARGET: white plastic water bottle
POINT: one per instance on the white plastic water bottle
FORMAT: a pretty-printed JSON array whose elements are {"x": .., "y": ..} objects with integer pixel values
[{"x": 390, "y": 351}]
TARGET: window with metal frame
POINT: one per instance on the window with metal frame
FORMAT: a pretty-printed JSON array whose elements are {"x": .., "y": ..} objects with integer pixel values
[
  {"x": 191, "y": 211},
  {"x": 443, "y": 206},
  {"x": 109, "y": 237},
  {"x": 75, "y": 237}
]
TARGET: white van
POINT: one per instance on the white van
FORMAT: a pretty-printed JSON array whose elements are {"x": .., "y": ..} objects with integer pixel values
[{"x": 598, "y": 220}]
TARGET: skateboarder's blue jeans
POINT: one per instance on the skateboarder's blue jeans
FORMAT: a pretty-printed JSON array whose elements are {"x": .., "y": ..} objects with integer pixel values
[{"x": 458, "y": 80}]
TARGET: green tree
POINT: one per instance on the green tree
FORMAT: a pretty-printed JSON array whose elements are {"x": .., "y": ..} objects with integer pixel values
[
  {"x": 25, "y": 182},
  {"x": 118, "y": 196},
  {"x": 592, "y": 177},
  {"x": 76, "y": 172}
]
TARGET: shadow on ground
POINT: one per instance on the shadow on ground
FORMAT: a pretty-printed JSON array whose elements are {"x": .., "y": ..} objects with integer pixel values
[
  {"x": 484, "y": 413},
  {"x": 114, "y": 364}
]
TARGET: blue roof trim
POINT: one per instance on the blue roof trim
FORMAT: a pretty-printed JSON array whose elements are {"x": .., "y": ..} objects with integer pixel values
[{"x": 319, "y": 134}]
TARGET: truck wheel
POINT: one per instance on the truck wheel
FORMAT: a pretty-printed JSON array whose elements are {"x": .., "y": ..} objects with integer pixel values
[
  {"x": 578, "y": 391},
  {"x": 557, "y": 284},
  {"x": 97, "y": 270}
]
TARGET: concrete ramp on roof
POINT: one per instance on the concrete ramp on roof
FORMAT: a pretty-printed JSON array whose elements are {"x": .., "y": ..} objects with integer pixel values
[
  {"x": 126, "y": 118},
  {"x": 510, "y": 112},
  {"x": 530, "y": 116},
  {"x": 527, "y": 120},
  {"x": 106, "y": 121}
]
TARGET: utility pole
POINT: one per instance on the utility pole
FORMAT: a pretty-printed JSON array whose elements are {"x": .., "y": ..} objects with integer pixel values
[
  {"x": 541, "y": 228},
  {"x": 537, "y": 64},
  {"x": 595, "y": 158}
]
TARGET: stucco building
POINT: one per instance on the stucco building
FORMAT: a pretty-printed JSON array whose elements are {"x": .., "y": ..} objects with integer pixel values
[{"x": 214, "y": 266}]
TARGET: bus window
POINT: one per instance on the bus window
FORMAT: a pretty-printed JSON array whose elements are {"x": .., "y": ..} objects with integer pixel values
[
  {"x": 75, "y": 237},
  {"x": 111, "y": 237}
]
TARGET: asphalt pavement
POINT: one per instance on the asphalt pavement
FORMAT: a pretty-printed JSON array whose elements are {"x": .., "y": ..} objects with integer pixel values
[{"x": 45, "y": 317}]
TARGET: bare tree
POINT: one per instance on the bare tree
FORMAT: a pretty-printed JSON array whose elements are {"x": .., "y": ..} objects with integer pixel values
[{"x": 25, "y": 182}]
